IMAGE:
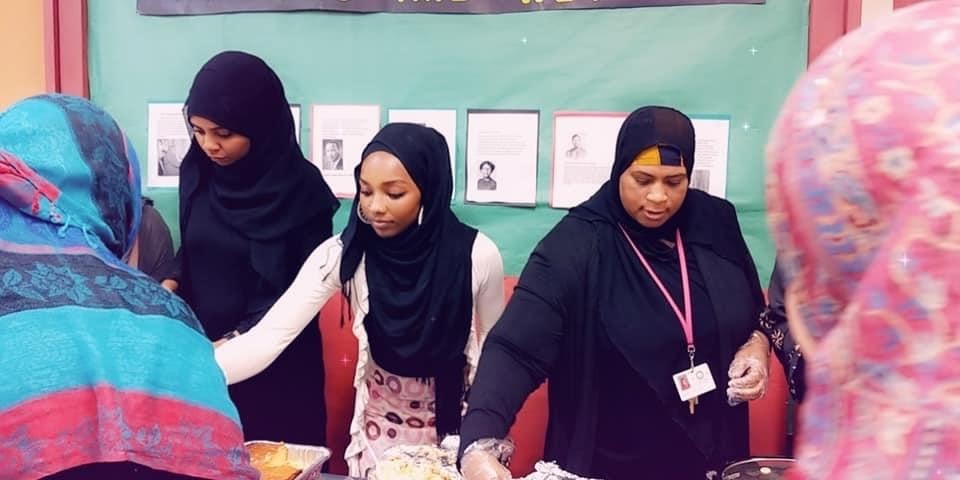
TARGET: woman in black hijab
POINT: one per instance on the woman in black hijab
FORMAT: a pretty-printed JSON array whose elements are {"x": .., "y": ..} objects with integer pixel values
[
  {"x": 252, "y": 208},
  {"x": 616, "y": 305},
  {"x": 423, "y": 287}
]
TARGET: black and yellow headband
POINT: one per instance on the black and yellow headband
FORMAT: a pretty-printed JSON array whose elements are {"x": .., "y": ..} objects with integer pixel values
[{"x": 658, "y": 155}]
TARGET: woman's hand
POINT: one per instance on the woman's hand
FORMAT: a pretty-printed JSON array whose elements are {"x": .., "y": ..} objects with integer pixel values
[
  {"x": 749, "y": 370},
  {"x": 479, "y": 464},
  {"x": 170, "y": 285}
]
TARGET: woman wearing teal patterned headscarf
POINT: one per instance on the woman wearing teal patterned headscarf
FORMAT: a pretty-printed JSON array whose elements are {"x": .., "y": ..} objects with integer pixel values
[{"x": 105, "y": 373}]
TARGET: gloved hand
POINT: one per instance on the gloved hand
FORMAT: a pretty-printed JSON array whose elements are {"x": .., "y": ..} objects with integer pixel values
[
  {"x": 479, "y": 464},
  {"x": 749, "y": 370}
]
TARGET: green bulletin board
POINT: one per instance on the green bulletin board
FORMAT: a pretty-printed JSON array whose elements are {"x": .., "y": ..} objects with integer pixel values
[{"x": 736, "y": 60}]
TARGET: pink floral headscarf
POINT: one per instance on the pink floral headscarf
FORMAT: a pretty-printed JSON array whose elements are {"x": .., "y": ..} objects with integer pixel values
[{"x": 864, "y": 198}]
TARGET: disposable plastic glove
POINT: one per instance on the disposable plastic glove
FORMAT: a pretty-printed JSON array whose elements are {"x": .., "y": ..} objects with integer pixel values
[
  {"x": 749, "y": 370},
  {"x": 479, "y": 464}
]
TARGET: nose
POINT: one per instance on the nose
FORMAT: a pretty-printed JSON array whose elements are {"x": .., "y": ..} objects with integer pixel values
[
  {"x": 208, "y": 144},
  {"x": 377, "y": 204},
  {"x": 657, "y": 194}
]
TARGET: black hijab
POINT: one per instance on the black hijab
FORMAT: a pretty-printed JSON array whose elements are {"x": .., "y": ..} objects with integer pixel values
[
  {"x": 645, "y": 127},
  {"x": 420, "y": 282},
  {"x": 698, "y": 217},
  {"x": 273, "y": 190}
]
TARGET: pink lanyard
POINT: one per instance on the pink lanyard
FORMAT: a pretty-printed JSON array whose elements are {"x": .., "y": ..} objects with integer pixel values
[{"x": 685, "y": 318}]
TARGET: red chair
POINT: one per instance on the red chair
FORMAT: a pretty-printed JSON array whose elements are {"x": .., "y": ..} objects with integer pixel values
[
  {"x": 768, "y": 416},
  {"x": 340, "y": 364}
]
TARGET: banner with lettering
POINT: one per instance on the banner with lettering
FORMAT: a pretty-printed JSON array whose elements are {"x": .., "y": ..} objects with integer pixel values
[{"x": 206, "y": 7}]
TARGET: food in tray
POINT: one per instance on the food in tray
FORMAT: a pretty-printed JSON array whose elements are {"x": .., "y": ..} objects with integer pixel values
[
  {"x": 272, "y": 461},
  {"x": 422, "y": 462},
  {"x": 550, "y": 471}
]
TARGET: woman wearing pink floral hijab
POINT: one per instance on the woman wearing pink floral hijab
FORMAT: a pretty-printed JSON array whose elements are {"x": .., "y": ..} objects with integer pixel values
[{"x": 864, "y": 194}]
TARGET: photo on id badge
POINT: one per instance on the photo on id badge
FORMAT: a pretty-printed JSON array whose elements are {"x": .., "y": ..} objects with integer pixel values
[{"x": 694, "y": 382}]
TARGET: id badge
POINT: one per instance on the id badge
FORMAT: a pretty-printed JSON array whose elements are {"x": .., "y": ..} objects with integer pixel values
[{"x": 695, "y": 382}]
